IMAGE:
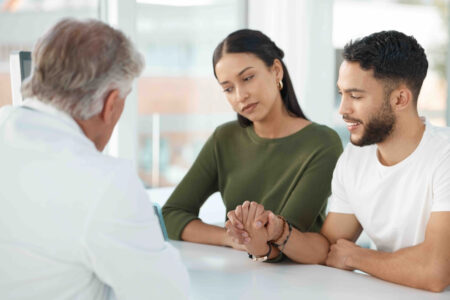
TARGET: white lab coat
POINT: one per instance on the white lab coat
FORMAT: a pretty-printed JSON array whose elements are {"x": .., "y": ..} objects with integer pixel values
[{"x": 74, "y": 223}]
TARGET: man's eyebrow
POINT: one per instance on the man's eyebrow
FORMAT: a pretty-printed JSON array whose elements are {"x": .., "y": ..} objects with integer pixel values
[
  {"x": 239, "y": 74},
  {"x": 352, "y": 90}
]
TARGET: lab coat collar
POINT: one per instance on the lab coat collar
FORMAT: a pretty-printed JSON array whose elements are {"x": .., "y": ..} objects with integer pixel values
[
  {"x": 48, "y": 109},
  {"x": 38, "y": 105}
]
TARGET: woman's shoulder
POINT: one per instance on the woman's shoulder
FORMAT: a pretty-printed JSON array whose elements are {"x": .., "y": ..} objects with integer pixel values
[
  {"x": 228, "y": 128},
  {"x": 324, "y": 132},
  {"x": 323, "y": 135}
]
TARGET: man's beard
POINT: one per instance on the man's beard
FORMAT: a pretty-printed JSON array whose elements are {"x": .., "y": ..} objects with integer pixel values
[{"x": 378, "y": 128}]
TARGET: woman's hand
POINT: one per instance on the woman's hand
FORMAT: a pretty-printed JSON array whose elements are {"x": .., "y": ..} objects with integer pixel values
[
  {"x": 235, "y": 228},
  {"x": 258, "y": 236},
  {"x": 232, "y": 242},
  {"x": 250, "y": 227}
]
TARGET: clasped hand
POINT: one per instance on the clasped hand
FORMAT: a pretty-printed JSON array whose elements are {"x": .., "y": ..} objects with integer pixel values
[{"x": 250, "y": 227}]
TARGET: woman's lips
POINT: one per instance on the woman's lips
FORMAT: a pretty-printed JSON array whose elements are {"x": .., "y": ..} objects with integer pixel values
[{"x": 249, "y": 108}]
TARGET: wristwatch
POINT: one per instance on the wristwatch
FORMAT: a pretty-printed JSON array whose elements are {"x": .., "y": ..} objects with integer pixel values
[{"x": 261, "y": 258}]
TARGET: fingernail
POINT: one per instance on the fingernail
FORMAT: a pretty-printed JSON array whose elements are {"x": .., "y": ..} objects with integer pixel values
[
  {"x": 258, "y": 224},
  {"x": 240, "y": 226},
  {"x": 244, "y": 234},
  {"x": 247, "y": 240}
]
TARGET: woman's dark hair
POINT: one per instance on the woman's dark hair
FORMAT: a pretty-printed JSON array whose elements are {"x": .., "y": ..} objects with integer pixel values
[
  {"x": 257, "y": 43},
  {"x": 394, "y": 58}
]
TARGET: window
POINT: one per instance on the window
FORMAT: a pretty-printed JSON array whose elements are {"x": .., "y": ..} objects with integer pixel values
[
  {"x": 179, "y": 100},
  {"x": 23, "y": 21},
  {"x": 404, "y": 16}
]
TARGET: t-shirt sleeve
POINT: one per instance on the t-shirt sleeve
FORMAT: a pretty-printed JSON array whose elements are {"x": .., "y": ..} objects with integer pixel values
[
  {"x": 198, "y": 184},
  {"x": 338, "y": 201},
  {"x": 125, "y": 247},
  {"x": 441, "y": 185},
  {"x": 309, "y": 198}
]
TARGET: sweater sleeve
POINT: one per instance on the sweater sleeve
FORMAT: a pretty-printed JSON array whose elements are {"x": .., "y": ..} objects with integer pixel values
[
  {"x": 199, "y": 183},
  {"x": 305, "y": 207}
]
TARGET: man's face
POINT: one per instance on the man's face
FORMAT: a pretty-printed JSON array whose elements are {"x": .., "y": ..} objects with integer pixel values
[{"x": 365, "y": 105}]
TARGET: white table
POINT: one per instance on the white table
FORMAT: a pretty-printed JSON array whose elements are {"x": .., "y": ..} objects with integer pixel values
[{"x": 224, "y": 273}]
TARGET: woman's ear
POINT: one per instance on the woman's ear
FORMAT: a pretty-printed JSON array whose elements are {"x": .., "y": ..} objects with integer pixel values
[{"x": 277, "y": 68}]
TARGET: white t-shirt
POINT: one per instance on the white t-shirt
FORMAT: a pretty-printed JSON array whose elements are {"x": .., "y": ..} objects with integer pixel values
[
  {"x": 393, "y": 204},
  {"x": 74, "y": 223}
]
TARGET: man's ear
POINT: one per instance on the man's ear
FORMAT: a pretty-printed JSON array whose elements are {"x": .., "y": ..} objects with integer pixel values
[
  {"x": 401, "y": 98},
  {"x": 109, "y": 106}
]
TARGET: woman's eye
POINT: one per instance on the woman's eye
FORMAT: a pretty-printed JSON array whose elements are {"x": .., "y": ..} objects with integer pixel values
[
  {"x": 249, "y": 77},
  {"x": 227, "y": 90},
  {"x": 355, "y": 97}
]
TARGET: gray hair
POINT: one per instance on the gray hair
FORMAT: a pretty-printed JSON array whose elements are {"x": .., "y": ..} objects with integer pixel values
[{"x": 78, "y": 63}]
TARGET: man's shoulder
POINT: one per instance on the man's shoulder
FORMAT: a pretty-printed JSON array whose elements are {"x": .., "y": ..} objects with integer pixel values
[{"x": 438, "y": 136}]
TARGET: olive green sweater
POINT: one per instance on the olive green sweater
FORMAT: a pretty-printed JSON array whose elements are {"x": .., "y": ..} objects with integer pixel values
[{"x": 291, "y": 176}]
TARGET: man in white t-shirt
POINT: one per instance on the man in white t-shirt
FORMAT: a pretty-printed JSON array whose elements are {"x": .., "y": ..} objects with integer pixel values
[
  {"x": 393, "y": 180},
  {"x": 74, "y": 223}
]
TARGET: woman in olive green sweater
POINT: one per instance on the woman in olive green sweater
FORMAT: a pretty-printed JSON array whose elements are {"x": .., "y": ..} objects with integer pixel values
[{"x": 272, "y": 155}]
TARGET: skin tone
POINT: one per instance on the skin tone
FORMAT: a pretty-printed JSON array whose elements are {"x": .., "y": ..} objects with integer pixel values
[
  {"x": 424, "y": 266},
  {"x": 252, "y": 90},
  {"x": 99, "y": 128},
  {"x": 265, "y": 226}
]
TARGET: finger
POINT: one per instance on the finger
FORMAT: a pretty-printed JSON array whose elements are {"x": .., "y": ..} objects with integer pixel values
[
  {"x": 251, "y": 213},
  {"x": 259, "y": 209},
  {"x": 236, "y": 235},
  {"x": 235, "y": 231},
  {"x": 228, "y": 224},
  {"x": 245, "y": 206},
  {"x": 262, "y": 219},
  {"x": 234, "y": 220},
  {"x": 238, "y": 212}
]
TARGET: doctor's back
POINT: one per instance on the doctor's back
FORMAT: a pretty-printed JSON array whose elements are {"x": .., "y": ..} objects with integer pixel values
[{"x": 74, "y": 223}]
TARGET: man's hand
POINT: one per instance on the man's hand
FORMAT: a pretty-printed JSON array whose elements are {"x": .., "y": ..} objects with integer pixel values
[
  {"x": 340, "y": 254},
  {"x": 273, "y": 224}
]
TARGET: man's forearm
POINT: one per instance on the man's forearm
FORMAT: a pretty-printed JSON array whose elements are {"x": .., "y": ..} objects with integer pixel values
[
  {"x": 416, "y": 266},
  {"x": 307, "y": 248}
]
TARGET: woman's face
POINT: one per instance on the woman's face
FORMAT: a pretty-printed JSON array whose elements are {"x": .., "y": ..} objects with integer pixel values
[{"x": 249, "y": 85}]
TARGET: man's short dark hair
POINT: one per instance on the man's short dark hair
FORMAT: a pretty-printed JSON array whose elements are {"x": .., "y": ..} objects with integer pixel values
[{"x": 394, "y": 58}]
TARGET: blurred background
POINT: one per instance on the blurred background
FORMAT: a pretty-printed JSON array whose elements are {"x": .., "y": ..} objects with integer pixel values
[{"x": 176, "y": 104}]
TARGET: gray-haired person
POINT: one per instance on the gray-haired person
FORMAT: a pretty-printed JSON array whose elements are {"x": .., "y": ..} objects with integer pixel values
[{"x": 74, "y": 223}]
